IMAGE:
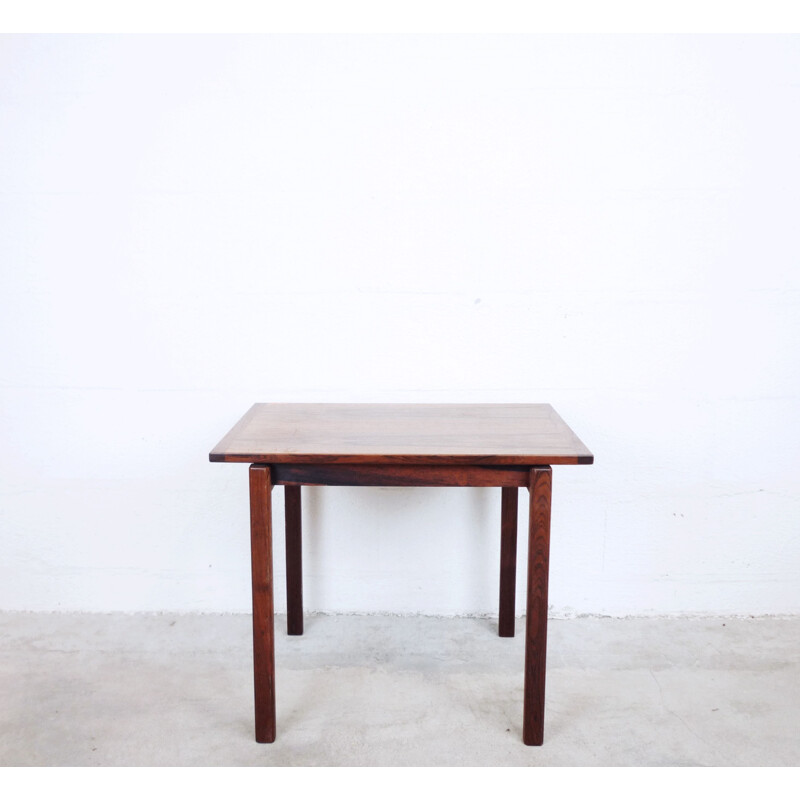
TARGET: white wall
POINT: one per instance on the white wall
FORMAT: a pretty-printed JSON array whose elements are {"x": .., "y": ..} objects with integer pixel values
[{"x": 190, "y": 225}]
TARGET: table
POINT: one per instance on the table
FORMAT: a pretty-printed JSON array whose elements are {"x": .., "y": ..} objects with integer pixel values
[{"x": 358, "y": 444}]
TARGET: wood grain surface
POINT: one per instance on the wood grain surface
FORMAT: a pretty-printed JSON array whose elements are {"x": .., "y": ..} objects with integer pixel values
[{"x": 342, "y": 433}]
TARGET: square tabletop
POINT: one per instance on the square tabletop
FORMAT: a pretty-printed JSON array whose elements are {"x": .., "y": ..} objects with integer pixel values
[{"x": 408, "y": 433}]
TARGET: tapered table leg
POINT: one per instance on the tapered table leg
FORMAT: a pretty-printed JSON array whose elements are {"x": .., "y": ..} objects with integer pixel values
[
  {"x": 536, "y": 619},
  {"x": 508, "y": 559},
  {"x": 294, "y": 561},
  {"x": 263, "y": 605}
]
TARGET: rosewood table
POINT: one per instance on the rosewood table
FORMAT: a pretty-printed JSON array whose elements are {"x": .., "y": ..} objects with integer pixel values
[{"x": 501, "y": 445}]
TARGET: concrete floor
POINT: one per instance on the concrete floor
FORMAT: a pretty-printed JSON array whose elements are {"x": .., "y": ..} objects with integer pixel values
[{"x": 175, "y": 690}]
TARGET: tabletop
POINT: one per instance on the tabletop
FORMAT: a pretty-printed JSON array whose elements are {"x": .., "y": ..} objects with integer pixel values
[{"x": 409, "y": 433}]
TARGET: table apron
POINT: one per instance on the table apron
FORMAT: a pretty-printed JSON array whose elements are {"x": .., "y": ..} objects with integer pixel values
[{"x": 398, "y": 475}]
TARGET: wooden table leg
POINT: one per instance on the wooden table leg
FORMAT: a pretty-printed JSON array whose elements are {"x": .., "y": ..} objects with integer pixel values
[
  {"x": 508, "y": 559},
  {"x": 263, "y": 606},
  {"x": 294, "y": 561},
  {"x": 536, "y": 619}
]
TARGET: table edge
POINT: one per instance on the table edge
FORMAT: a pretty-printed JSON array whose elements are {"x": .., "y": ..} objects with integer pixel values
[{"x": 399, "y": 458}]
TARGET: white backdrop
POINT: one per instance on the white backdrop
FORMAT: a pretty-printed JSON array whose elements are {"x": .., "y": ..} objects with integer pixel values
[{"x": 190, "y": 225}]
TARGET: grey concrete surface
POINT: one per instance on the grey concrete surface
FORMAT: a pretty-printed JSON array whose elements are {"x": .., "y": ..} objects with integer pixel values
[{"x": 175, "y": 690}]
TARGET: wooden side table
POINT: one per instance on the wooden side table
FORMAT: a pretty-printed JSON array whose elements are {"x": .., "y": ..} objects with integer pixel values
[{"x": 503, "y": 445}]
